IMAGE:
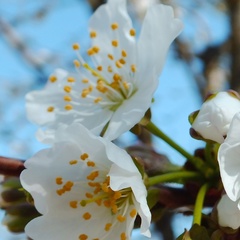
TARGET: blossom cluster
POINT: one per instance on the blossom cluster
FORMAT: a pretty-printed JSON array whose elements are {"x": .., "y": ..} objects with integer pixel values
[
  {"x": 84, "y": 185},
  {"x": 219, "y": 121}
]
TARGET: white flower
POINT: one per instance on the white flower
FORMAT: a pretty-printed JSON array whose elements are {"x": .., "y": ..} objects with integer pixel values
[
  {"x": 113, "y": 93},
  {"x": 215, "y": 116},
  {"x": 228, "y": 213},
  {"x": 85, "y": 187},
  {"x": 229, "y": 160}
]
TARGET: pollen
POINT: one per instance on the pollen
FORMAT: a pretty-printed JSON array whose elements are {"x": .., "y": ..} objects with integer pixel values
[
  {"x": 91, "y": 164},
  {"x": 52, "y": 78},
  {"x": 124, "y": 53},
  {"x": 84, "y": 156},
  {"x": 110, "y": 56},
  {"x": 75, "y": 46},
  {"x": 95, "y": 49},
  {"x": 67, "y": 89},
  {"x": 71, "y": 79},
  {"x": 114, "y": 43},
  {"x": 68, "y": 107},
  {"x": 118, "y": 64},
  {"x": 133, "y": 68},
  {"x": 87, "y": 216},
  {"x": 67, "y": 98},
  {"x": 93, "y": 34},
  {"x": 123, "y": 236},
  {"x": 72, "y": 162},
  {"x": 50, "y": 109},
  {"x": 93, "y": 175},
  {"x": 110, "y": 69},
  {"x": 108, "y": 226},
  {"x": 99, "y": 68},
  {"x": 97, "y": 100},
  {"x": 85, "y": 80},
  {"x": 114, "y": 26},
  {"x": 133, "y": 213},
  {"x": 83, "y": 237},
  {"x": 76, "y": 63},
  {"x": 121, "y": 218},
  {"x": 73, "y": 204},
  {"x": 132, "y": 32},
  {"x": 59, "y": 180}
]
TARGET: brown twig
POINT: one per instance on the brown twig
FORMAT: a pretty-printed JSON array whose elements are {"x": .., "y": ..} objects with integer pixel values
[{"x": 11, "y": 167}]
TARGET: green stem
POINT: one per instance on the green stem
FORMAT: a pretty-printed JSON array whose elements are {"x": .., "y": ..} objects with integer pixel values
[
  {"x": 173, "y": 177},
  {"x": 197, "y": 162},
  {"x": 197, "y": 213}
]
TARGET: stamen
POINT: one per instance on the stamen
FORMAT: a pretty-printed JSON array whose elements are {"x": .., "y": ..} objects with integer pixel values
[
  {"x": 114, "y": 26},
  {"x": 133, "y": 68},
  {"x": 124, "y": 53},
  {"x": 108, "y": 226},
  {"x": 133, "y": 213},
  {"x": 110, "y": 69},
  {"x": 59, "y": 180},
  {"x": 52, "y": 78},
  {"x": 75, "y": 46},
  {"x": 72, "y": 162},
  {"x": 68, "y": 107},
  {"x": 67, "y": 89},
  {"x": 87, "y": 216},
  {"x": 71, "y": 79},
  {"x": 121, "y": 218},
  {"x": 114, "y": 43},
  {"x": 85, "y": 80},
  {"x": 73, "y": 204},
  {"x": 99, "y": 68},
  {"x": 95, "y": 49},
  {"x": 76, "y": 63},
  {"x": 50, "y": 109},
  {"x": 83, "y": 237},
  {"x": 84, "y": 156},
  {"x": 93, "y": 175},
  {"x": 122, "y": 236},
  {"x": 132, "y": 32},
  {"x": 110, "y": 56},
  {"x": 93, "y": 34},
  {"x": 67, "y": 98}
]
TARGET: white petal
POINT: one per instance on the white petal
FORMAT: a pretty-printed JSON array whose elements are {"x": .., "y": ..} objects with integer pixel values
[{"x": 228, "y": 213}]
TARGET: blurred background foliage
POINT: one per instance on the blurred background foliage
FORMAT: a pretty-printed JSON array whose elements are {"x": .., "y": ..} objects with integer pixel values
[{"x": 36, "y": 37}]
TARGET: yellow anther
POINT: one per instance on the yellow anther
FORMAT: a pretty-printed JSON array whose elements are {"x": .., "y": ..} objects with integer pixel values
[
  {"x": 50, "y": 109},
  {"x": 123, "y": 236},
  {"x": 67, "y": 89},
  {"x": 110, "y": 69},
  {"x": 95, "y": 49},
  {"x": 133, "y": 213},
  {"x": 72, "y": 162},
  {"x": 93, "y": 34},
  {"x": 97, "y": 100},
  {"x": 85, "y": 92},
  {"x": 73, "y": 204},
  {"x": 84, "y": 156},
  {"x": 110, "y": 56},
  {"x": 71, "y": 79},
  {"x": 98, "y": 202},
  {"x": 118, "y": 64},
  {"x": 88, "y": 195},
  {"x": 90, "y": 52},
  {"x": 67, "y": 98},
  {"x": 122, "y": 61},
  {"x": 121, "y": 218},
  {"x": 68, "y": 186},
  {"x": 107, "y": 203},
  {"x": 132, "y": 32},
  {"x": 90, "y": 88},
  {"x": 114, "y": 26},
  {"x": 114, "y": 209},
  {"x": 87, "y": 216},
  {"x": 91, "y": 164},
  {"x": 126, "y": 85},
  {"x": 105, "y": 187},
  {"x": 76, "y": 63},
  {"x": 124, "y": 53},
  {"x": 93, "y": 175},
  {"x": 52, "y": 78},
  {"x": 59, "y": 180},
  {"x": 99, "y": 68},
  {"x": 83, "y": 237},
  {"x": 114, "y": 43},
  {"x": 75, "y": 46},
  {"x": 133, "y": 68},
  {"x": 108, "y": 226},
  {"x": 117, "y": 195},
  {"x": 68, "y": 107},
  {"x": 60, "y": 191},
  {"x": 116, "y": 77},
  {"x": 93, "y": 184},
  {"x": 85, "y": 80}
]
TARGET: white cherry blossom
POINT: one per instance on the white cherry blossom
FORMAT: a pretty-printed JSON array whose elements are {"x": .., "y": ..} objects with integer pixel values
[
  {"x": 85, "y": 187},
  {"x": 215, "y": 116},
  {"x": 111, "y": 94}
]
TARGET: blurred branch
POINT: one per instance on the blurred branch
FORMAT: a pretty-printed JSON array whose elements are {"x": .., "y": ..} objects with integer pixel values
[
  {"x": 11, "y": 167},
  {"x": 234, "y": 9}
]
